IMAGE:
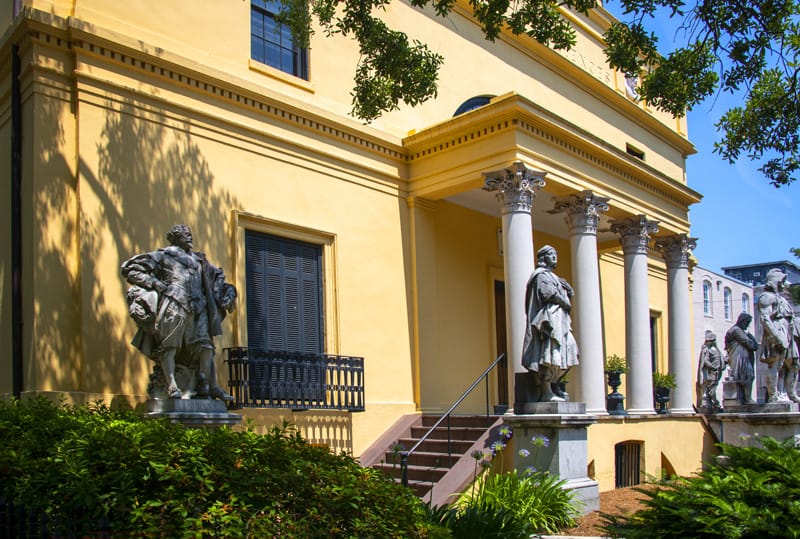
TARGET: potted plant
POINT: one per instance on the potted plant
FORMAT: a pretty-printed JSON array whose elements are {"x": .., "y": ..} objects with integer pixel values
[
  {"x": 615, "y": 363},
  {"x": 615, "y": 366},
  {"x": 662, "y": 384}
]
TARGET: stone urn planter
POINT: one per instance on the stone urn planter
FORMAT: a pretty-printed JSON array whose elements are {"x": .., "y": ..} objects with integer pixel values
[
  {"x": 615, "y": 367},
  {"x": 615, "y": 401},
  {"x": 662, "y": 385}
]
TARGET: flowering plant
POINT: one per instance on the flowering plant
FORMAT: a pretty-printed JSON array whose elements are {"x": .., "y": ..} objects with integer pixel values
[{"x": 533, "y": 496}]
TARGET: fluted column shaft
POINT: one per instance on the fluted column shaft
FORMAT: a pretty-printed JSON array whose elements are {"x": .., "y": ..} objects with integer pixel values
[
  {"x": 676, "y": 250},
  {"x": 515, "y": 189},
  {"x": 582, "y": 217},
  {"x": 634, "y": 237}
]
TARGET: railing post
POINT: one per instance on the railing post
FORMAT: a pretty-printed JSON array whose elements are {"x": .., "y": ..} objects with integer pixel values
[
  {"x": 404, "y": 468},
  {"x": 486, "y": 380}
]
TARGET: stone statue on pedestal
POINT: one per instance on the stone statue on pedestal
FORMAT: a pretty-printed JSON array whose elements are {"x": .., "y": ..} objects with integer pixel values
[
  {"x": 549, "y": 348},
  {"x": 779, "y": 339},
  {"x": 178, "y": 300},
  {"x": 711, "y": 365},
  {"x": 741, "y": 346}
]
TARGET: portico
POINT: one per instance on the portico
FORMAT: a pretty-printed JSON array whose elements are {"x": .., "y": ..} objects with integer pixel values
[{"x": 586, "y": 208}]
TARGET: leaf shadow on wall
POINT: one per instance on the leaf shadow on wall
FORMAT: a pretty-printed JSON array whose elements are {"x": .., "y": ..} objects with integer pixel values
[{"x": 150, "y": 175}]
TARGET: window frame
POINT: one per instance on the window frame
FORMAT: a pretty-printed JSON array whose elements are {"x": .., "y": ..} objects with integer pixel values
[
  {"x": 745, "y": 302},
  {"x": 708, "y": 290},
  {"x": 243, "y": 222},
  {"x": 265, "y": 10},
  {"x": 727, "y": 303}
]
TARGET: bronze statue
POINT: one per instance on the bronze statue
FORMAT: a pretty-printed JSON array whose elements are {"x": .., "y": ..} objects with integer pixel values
[
  {"x": 549, "y": 348},
  {"x": 178, "y": 300}
]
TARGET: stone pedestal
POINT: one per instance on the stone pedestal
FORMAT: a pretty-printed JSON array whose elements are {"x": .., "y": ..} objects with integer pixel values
[
  {"x": 730, "y": 393},
  {"x": 566, "y": 455},
  {"x": 742, "y": 424},
  {"x": 193, "y": 412}
]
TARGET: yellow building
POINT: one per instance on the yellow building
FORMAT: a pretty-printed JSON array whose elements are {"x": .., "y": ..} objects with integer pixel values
[{"x": 119, "y": 119}]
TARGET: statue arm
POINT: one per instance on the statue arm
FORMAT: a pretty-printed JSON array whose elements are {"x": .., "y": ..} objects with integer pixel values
[
  {"x": 550, "y": 290},
  {"x": 140, "y": 270}
]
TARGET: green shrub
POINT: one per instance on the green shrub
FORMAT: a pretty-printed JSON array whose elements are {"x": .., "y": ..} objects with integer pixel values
[
  {"x": 513, "y": 502},
  {"x": 537, "y": 498},
  {"x": 78, "y": 465},
  {"x": 751, "y": 492},
  {"x": 479, "y": 520}
]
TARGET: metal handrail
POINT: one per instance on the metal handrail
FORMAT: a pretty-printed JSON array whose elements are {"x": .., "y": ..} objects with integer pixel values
[{"x": 484, "y": 376}]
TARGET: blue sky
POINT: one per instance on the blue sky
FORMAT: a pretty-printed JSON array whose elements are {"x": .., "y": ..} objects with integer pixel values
[{"x": 742, "y": 219}]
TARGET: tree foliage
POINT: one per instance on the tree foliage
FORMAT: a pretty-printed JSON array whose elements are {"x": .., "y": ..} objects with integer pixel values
[{"x": 728, "y": 46}]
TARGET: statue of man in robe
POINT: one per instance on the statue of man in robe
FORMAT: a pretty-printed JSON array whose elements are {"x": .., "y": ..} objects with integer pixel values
[{"x": 549, "y": 348}]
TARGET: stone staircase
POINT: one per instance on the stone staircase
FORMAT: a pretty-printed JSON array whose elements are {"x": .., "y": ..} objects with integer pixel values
[{"x": 434, "y": 475}]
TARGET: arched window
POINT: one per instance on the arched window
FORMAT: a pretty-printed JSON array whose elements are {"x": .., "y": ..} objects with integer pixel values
[
  {"x": 707, "y": 298},
  {"x": 727, "y": 296},
  {"x": 745, "y": 303},
  {"x": 473, "y": 103}
]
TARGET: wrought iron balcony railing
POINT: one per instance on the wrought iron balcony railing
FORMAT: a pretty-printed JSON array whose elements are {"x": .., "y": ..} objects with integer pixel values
[{"x": 295, "y": 380}]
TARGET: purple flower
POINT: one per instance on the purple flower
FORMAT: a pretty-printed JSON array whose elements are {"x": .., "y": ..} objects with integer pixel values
[
  {"x": 505, "y": 432},
  {"x": 524, "y": 453},
  {"x": 540, "y": 441}
]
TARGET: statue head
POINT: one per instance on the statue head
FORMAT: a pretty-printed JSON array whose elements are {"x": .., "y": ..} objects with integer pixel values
[
  {"x": 711, "y": 337},
  {"x": 547, "y": 257},
  {"x": 775, "y": 280},
  {"x": 180, "y": 236},
  {"x": 744, "y": 320}
]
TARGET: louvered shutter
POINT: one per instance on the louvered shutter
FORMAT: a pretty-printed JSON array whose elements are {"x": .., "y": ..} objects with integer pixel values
[{"x": 284, "y": 294}]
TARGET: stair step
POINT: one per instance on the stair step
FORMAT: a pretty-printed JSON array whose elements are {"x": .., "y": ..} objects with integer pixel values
[
  {"x": 456, "y": 447},
  {"x": 460, "y": 420},
  {"x": 417, "y": 473},
  {"x": 456, "y": 433},
  {"x": 422, "y": 458}
]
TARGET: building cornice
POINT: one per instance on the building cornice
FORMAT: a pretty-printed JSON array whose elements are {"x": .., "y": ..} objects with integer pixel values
[{"x": 514, "y": 114}]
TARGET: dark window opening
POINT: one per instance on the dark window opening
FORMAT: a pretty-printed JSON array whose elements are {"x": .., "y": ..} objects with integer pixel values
[
  {"x": 473, "y": 103},
  {"x": 627, "y": 464},
  {"x": 637, "y": 153},
  {"x": 284, "y": 294}
]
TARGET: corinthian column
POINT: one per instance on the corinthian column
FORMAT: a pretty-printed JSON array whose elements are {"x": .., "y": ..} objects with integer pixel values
[
  {"x": 582, "y": 216},
  {"x": 634, "y": 237},
  {"x": 676, "y": 250},
  {"x": 515, "y": 189}
]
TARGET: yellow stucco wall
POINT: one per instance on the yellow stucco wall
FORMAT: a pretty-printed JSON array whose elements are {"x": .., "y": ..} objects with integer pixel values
[
  {"x": 215, "y": 35},
  {"x": 661, "y": 452}
]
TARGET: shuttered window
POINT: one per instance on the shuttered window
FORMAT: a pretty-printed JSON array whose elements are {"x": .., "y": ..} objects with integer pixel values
[{"x": 284, "y": 294}]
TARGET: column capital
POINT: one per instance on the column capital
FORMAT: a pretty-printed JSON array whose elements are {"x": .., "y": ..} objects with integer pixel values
[
  {"x": 676, "y": 249},
  {"x": 634, "y": 233},
  {"x": 582, "y": 211},
  {"x": 515, "y": 187}
]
